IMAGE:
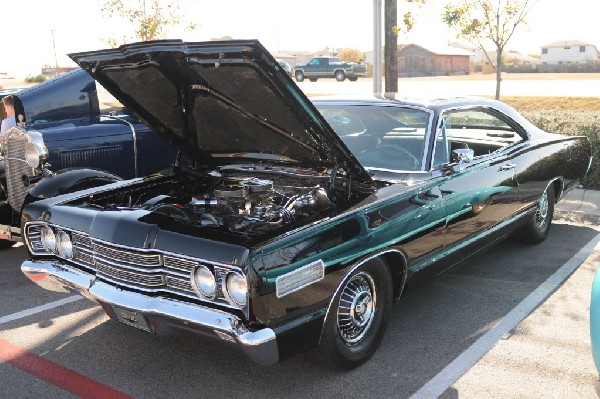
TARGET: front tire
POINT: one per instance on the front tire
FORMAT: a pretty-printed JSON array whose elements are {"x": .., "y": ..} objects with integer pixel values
[
  {"x": 299, "y": 76},
  {"x": 340, "y": 76},
  {"x": 357, "y": 317},
  {"x": 536, "y": 229}
]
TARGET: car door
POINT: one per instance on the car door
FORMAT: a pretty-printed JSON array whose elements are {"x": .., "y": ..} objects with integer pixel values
[{"x": 480, "y": 194}]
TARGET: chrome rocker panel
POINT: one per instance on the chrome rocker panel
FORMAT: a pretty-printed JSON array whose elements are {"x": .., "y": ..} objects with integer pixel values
[{"x": 260, "y": 346}]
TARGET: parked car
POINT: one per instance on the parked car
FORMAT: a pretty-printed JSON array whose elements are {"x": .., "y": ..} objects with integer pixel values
[
  {"x": 69, "y": 127},
  {"x": 329, "y": 67},
  {"x": 286, "y": 224}
]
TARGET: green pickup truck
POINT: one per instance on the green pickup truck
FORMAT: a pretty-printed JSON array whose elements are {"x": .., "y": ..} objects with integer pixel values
[{"x": 329, "y": 67}]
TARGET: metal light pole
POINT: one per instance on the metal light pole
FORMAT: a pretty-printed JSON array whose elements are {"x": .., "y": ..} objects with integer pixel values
[
  {"x": 55, "y": 60},
  {"x": 377, "y": 19}
]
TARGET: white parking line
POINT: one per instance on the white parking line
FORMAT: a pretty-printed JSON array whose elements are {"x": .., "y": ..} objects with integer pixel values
[
  {"x": 39, "y": 309},
  {"x": 453, "y": 371}
]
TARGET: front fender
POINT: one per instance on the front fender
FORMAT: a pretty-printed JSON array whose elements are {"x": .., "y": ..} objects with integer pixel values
[{"x": 68, "y": 181}]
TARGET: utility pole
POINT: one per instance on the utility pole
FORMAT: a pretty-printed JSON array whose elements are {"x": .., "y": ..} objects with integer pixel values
[
  {"x": 377, "y": 86},
  {"x": 391, "y": 46},
  {"x": 55, "y": 59}
]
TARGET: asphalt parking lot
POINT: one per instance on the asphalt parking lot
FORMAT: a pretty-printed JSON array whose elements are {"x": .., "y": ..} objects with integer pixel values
[{"x": 60, "y": 346}]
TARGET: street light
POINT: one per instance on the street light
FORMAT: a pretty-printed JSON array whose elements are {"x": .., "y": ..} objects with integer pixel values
[
  {"x": 55, "y": 60},
  {"x": 377, "y": 18}
]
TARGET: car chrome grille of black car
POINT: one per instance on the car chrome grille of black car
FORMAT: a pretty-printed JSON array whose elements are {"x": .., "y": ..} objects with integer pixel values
[{"x": 150, "y": 271}]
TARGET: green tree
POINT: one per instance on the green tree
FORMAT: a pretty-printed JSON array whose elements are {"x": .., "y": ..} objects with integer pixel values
[
  {"x": 149, "y": 18},
  {"x": 391, "y": 29},
  {"x": 488, "y": 21}
]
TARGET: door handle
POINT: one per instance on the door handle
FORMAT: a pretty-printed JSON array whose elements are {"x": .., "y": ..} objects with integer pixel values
[
  {"x": 424, "y": 214},
  {"x": 508, "y": 166}
]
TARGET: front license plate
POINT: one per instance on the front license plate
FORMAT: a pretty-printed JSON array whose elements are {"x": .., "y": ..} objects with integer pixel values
[{"x": 131, "y": 318}]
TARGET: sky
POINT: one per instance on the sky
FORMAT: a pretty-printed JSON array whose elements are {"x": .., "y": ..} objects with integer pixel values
[{"x": 308, "y": 25}]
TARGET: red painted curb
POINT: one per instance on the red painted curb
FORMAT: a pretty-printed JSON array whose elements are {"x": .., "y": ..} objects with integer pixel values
[{"x": 57, "y": 375}]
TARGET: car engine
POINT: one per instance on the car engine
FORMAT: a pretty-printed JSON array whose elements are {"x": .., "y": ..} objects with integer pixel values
[{"x": 242, "y": 204}]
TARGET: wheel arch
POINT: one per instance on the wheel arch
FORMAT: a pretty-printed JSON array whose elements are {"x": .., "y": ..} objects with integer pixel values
[
  {"x": 558, "y": 184},
  {"x": 393, "y": 258}
]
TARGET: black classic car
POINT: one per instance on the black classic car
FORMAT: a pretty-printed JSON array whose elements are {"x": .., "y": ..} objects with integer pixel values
[
  {"x": 70, "y": 124},
  {"x": 285, "y": 224}
]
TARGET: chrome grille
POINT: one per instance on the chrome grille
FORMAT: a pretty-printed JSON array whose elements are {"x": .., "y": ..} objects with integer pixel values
[
  {"x": 129, "y": 277},
  {"x": 146, "y": 270},
  {"x": 150, "y": 271},
  {"x": 126, "y": 256},
  {"x": 185, "y": 265},
  {"x": 14, "y": 147},
  {"x": 34, "y": 235},
  {"x": 84, "y": 253}
]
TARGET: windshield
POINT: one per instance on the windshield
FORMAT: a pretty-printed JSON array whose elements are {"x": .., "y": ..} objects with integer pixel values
[{"x": 381, "y": 137}]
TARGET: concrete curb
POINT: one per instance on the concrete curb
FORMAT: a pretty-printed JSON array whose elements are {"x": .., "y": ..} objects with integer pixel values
[{"x": 579, "y": 206}]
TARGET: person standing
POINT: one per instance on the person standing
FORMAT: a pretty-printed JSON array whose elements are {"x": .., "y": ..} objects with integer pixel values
[{"x": 9, "y": 107}]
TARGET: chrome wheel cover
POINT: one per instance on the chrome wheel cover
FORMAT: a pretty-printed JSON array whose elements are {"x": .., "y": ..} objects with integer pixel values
[
  {"x": 357, "y": 307},
  {"x": 541, "y": 215}
]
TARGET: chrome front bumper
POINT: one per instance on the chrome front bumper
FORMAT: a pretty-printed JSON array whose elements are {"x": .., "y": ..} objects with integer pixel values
[{"x": 260, "y": 346}]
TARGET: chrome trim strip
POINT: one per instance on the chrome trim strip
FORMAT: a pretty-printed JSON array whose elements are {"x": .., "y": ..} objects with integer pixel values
[
  {"x": 467, "y": 107},
  {"x": 260, "y": 346}
]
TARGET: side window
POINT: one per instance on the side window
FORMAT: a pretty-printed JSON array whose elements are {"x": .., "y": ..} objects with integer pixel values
[
  {"x": 314, "y": 62},
  {"x": 479, "y": 129}
]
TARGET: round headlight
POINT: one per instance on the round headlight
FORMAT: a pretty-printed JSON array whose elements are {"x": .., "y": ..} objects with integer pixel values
[
  {"x": 49, "y": 239},
  {"x": 204, "y": 281},
  {"x": 64, "y": 245},
  {"x": 236, "y": 288},
  {"x": 32, "y": 155}
]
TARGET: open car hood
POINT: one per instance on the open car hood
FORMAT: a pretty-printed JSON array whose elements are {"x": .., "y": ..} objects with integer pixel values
[{"x": 221, "y": 102}]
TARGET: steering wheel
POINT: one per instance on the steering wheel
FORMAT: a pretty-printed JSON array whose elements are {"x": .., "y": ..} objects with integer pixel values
[{"x": 393, "y": 150}]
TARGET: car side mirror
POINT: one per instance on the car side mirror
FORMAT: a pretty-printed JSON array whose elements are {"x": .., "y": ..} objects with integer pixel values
[{"x": 462, "y": 156}]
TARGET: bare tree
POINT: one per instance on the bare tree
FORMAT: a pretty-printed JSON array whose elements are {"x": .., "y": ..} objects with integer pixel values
[
  {"x": 485, "y": 21},
  {"x": 149, "y": 18}
]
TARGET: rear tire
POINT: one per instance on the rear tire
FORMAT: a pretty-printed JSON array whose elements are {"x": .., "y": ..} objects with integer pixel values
[
  {"x": 340, "y": 76},
  {"x": 357, "y": 317},
  {"x": 536, "y": 229},
  {"x": 312, "y": 79}
]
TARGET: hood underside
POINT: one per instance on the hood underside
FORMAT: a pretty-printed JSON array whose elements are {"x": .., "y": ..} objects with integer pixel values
[{"x": 221, "y": 103}]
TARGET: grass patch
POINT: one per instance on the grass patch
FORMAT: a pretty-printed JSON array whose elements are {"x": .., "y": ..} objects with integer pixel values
[
  {"x": 574, "y": 104},
  {"x": 572, "y": 116}
]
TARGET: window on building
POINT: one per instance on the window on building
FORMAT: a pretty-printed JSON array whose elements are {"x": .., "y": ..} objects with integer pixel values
[
  {"x": 544, "y": 51},
  {"x": 582, "y": 49},
  {"x": 567, "y": 47}
]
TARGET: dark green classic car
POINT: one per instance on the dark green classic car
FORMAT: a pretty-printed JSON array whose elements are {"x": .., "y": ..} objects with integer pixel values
[{"x": 288, "y": 224}]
